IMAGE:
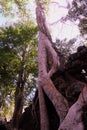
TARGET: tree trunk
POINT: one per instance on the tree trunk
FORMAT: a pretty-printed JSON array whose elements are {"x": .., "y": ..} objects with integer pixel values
[
  {"x": 44, "y": 82},
  {"x": 19, "y": 101},
  {"x": 19, "y": 95}
]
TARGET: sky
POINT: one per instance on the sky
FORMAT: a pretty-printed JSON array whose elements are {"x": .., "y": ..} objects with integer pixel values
[
  {"x": 57, "y": 10},
  {"x": 61, "y": 30},
  {"x": 2, "y": 19}
]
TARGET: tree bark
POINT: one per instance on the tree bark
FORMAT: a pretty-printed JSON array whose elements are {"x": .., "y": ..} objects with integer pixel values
[{"x": 44, "y": 82}]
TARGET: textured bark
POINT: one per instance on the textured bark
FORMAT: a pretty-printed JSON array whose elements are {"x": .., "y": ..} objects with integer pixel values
[{"x": 43, "y": 110}]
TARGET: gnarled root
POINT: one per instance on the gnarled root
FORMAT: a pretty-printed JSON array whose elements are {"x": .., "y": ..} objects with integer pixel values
[{"x": 73, "y": 120}]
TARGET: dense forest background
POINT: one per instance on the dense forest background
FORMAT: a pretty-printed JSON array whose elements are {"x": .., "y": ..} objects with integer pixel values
[{"x": 19, "y": 49}]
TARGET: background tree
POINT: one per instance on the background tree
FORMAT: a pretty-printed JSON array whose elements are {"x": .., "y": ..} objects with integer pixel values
[{"x": 18, "y": 49}]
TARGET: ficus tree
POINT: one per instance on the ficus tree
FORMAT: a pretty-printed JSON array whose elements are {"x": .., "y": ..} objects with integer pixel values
[
  {"x": 44, "y": 82},
  {"x": 48, "y": 63}
]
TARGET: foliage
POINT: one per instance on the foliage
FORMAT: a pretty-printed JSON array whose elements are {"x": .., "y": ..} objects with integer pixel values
[
  {"x": 78, "y": 12},
  {"x": 65, "y": 47},
  {"x": 14, "y": 40},
  {"x": 83, "y": 27},
  {"x": 8, "y": 5}
]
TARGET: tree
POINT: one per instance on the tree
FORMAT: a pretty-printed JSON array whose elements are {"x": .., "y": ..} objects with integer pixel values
[
  {"x": 48, "y": 63},
  {"x": 18, "y": 61},
  {"x": 44, "y": 82}
]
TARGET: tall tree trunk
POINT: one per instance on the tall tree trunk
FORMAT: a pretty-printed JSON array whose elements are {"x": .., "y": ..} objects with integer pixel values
[
  {"x": 19, "y": 95},
  {"x": 44, "y": 82}
]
